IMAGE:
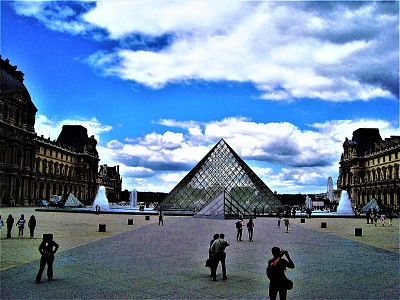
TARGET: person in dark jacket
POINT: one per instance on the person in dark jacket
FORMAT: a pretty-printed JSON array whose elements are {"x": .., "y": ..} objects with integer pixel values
[
  {"x": 10, "y": 223},
  {"x": 32, "y": 226},
  {"x": 276, "y": 273},
  {"x": 219, "y": 255},
  {"x": 47, "y": 248}
]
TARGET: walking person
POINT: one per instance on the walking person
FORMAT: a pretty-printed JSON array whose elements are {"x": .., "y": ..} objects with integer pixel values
[
  {"x": 250, "y": 227},
  {"x": 10, "y": 223},
  {"x": 21, "y": 225},
  {"x": 239, "y": 227},
  {"x": 32, "y": 225},
  {"x": 218, "y": 255},
  {"x": 287, "y": 224},
  {"x": 47, "y": 249},
  {"x": 279, "y": 220},
  {"x": 276, "y": 274}
]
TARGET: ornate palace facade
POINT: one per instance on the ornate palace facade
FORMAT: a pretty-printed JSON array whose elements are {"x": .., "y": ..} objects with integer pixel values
[
  {"x": 369, "y": 168},
  {"x": 33, "y": 167},
  {"x": 112, "y": 181}
]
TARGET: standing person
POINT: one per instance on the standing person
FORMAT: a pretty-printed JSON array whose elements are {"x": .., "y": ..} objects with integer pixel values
[
  {"x": 383, "y": 219},
  {"x": 21, "y": 225},
  {"x": 279, "y": 220},
  {"x": 215, "y": 237},
  {"x": 239, "y": 227},
  {"x": 1, "y": 223},
  {"x": 32, "y": 225},
  {"x": 371, "y": 216},
  {"x": 250, "y": 227},
  {"x": 218, "y": 255},
  {"x": 276, "y": 273},
  {"x": 160, "y": 218},
  {"x": 367, "y": 216},
  {"x": 47, "y": 249},
  {"x": 375, "y": 218},
  {"x": 10, "y": 223},
  {"x": 390, "y": 218}
]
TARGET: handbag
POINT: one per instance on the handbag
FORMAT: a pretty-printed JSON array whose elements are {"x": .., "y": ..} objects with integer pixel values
[
  {"x": 289, "y": 284},
  {"x": 207, "y": 263}
]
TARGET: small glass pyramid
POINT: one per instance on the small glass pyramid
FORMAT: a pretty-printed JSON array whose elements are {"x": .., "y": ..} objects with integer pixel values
[{"x": 221, "y": 185}]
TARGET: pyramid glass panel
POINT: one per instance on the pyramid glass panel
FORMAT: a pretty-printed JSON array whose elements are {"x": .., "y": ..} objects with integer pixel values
[{"x": 221, "y": 185}]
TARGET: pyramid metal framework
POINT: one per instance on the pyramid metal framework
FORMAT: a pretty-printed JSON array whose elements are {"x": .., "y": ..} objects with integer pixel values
[{"x": 221, "y": 185}]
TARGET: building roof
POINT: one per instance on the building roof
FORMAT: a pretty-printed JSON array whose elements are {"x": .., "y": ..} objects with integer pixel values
[
  {"x": 12, "y": 80},
  {"x": 365, "y": 138}
]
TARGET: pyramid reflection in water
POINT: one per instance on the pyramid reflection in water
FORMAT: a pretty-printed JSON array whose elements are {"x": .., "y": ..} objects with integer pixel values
[{"x": 221, "y": 185}]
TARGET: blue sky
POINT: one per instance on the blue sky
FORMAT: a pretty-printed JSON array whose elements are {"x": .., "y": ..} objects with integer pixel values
[{"x": 161, "y": 82}]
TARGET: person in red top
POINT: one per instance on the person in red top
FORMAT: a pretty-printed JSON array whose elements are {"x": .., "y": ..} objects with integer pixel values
[{"x": 276, "y": 273}]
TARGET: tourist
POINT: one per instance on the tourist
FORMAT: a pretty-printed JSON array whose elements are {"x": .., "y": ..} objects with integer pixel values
[
  {"x": 32, "y": 226},
  {"x": 218, "y": 255},
  {"x": 250, "y": 227},
  {"x": 160, "y": 218},
  {"x": 371, "y": 216},
  {"x": 239, "y": 227},
  {"x": 10, "y": 223},
  {"x": 1, "y": 223},
  {"x": 279, "y": 220},
  {"x": 276, "y": 274},
  {"x": 287, "y": 224},
  {"x": 21, "y": 225},
  {"x": 210, "y": 258},
  {"x": 383, "y": 219},
  {"x": 367, "y": 215},
  {"x": 47, "y": 249},
  {"x": 375, "y": 218},
  {"x": 390, "y": 218}
]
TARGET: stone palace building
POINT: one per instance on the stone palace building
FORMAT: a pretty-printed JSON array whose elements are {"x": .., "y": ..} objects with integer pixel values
[
  {"x": 33, "y": 167},
  {"x": 369, "y": 168}
]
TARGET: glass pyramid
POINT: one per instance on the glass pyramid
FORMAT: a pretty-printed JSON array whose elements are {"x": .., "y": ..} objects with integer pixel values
[{"x": 221, "y": 185}]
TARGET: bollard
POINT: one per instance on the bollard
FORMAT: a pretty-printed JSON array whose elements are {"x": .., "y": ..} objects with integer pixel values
[
  {"x": 147, "y": 218},
  {"x": 302, "y": 220},
  {"x": 358, "y": 232},
  {"x": 323, "y": 224},
  {"x": 102, "y": 227},
  {"x": 130, "y": 221}
]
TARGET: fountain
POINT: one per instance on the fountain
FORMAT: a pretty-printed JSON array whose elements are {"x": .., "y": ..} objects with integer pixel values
[
  {"x": 133, "y": 198},
  {"x": 345, "y": 208},
  {"x": 101, "y": 199}
]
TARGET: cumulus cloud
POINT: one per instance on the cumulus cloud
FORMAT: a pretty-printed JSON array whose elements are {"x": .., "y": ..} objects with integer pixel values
[
  {"x": 51, "y": 128},
  {"x": 334, "y": 51},
  {"x": 287, "y": 158}
]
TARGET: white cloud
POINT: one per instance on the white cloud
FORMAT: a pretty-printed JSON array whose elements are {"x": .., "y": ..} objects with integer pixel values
[
  {"x": 288, "y": 50},
  {"x": 287, "y": 158},
  {"x": 52, "y": 128}
]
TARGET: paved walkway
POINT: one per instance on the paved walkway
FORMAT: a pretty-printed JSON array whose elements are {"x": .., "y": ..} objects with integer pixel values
[{"x": 147, "y": 261}]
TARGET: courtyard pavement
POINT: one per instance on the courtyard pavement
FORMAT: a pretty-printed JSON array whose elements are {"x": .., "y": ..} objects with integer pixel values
[{"x": 147, "y": 261}]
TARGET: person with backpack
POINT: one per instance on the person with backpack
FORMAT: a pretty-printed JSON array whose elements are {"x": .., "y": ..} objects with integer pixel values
[
  {"x": 276, "y": 274},
  {"x": 218, "y": 255},
  {"x": 21, "y": 225},
  {"x": 239, "y": 226}
]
